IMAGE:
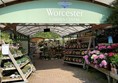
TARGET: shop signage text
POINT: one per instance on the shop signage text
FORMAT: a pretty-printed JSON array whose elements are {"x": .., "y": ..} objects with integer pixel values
[{"x": 64, "y": 13}]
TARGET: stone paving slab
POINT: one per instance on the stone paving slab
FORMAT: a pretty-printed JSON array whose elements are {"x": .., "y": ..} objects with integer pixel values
[{"x": 55, "y": 71}]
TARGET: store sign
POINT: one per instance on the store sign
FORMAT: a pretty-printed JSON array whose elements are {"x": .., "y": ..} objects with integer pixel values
[
  {"x": 64, "y": 13},
  {"x": 55, "y": 11},
  {"x": 5, "y": 49}
]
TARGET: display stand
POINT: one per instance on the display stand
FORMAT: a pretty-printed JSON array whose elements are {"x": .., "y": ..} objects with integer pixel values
[
  {"x": 111, "y": 77},
  {"x": 102, "y": 70},
  {"x": 75, "y": 54},
  {"x": 109, "y": 71},
  {"x": 17, "y": 67}
]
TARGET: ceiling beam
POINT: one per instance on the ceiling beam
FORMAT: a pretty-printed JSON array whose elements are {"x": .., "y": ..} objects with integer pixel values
[
  {"x": 53, "y": 25},
  {"x": 28, "y": 30},
  {"x": 24, "y": 28},
  {"x": 34, "y": 31}
]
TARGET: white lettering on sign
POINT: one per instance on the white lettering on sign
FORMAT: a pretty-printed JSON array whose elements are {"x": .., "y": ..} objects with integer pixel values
[{"x": 72, "y": 13}]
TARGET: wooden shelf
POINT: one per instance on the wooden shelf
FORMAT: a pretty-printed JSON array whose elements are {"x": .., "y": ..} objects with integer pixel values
[
  {"x": 13, "y": 68},
  {"x": 27, "y": 75},
  {"x": 73, "y": 63},
  {"x": 8, "y": 79},
  {"x": 24, "y": 64},
  {"x": 29, "y": 72},
  {"x": 105, "y": 71},
  {"x": 74, "y": 56},
  {"x": 115, "y": 76},
  {"x": 78, "y": 49},
  {"x": 7, "y": 57},
  {"x": 17, "y": 67}
]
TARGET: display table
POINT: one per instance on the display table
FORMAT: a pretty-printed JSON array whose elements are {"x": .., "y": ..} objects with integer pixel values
[
  {"x": 114, "y": 76},
  {"x": 107, "y": 73}
]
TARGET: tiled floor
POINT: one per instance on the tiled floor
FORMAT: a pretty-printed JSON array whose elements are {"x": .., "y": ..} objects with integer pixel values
[{"x": 55, "y": 71}]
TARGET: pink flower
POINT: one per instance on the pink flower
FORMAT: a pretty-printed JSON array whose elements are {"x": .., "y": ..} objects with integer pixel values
[
  {"x": 86, "y": 59},
  {"x": 96, "y": 47},
  {"x": 100, "y": 65},
  {"x": 105, "y": 54},
  {"x": 104, "y": 63},
  {"x": 85, "y": 52},
  {"x": 97, "y": 52},
  {"x": 109, "y": 47},
  {"x": 111, "y": 54},
  {"x": 114, "y": 45},
  {"x": 95, "y": 57},
  {"x": 95, "y": 61},
  {"x": 101, "y": 47},
  {"x": 101, "y": 56},
  {"x": 92, "y": 52}
]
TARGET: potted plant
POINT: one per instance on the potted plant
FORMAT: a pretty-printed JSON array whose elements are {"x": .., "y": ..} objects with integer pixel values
[{"x": 114, "y": 59}]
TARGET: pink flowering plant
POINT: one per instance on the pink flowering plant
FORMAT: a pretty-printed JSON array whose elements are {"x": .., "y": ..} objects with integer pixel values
[
  {"x": 103, "y": 55},
  {"x": 96, "y": 58},
  {"x": 107, "y": 46}
]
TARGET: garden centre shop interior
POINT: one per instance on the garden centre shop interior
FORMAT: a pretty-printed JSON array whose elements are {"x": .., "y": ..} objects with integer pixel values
[{"x": 85, "y": 49}]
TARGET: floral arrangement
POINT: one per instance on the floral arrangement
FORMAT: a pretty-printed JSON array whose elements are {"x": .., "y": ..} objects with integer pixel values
[
  {"x": 107, "y": 46},
  {"x": 96, "y": 58},
  {"x": 102, "y": 59}
]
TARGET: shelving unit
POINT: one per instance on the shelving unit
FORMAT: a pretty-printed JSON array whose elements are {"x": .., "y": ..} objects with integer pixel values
[
  {"x": 55, "y": 52},
  {"x": 13, "y": 68},
  {"x": 75, "y": 50},
  {"x": 73, "y": 55},
  {"x": 78, "y": 49},
  {"x": 108, "y": 74},
  {"x": 28, "y": 73},
  {"x": 74, "y": 63},
  {"x": 7, "y": 57},
  {"x": 8, "y": 79},
  {"x": 19, "y": 61}
]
